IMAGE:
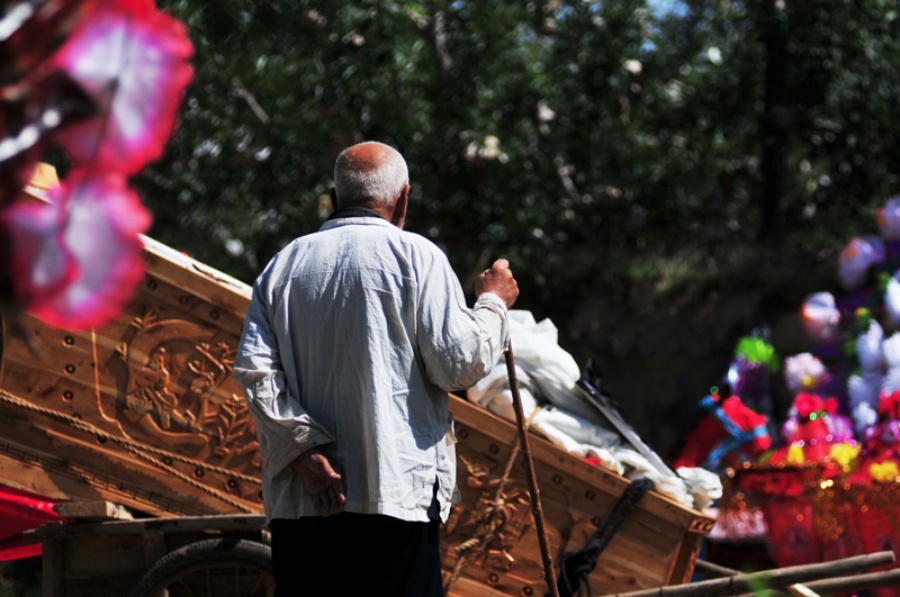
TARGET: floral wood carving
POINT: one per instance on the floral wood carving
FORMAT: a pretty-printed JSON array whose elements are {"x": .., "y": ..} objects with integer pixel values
[{"x": 179, "y": 393}]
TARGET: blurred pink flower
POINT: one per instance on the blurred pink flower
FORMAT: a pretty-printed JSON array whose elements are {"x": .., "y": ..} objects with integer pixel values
[
  {"x": 39, "y": 263},
  {"x": 79, "y": 257},
  {"x": 133, "y": 60}
]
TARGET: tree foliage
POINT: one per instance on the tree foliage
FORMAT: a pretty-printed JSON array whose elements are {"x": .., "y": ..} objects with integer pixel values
[
  {"x": 550, "y": 129},
  {"x": 652, "y": 152}
]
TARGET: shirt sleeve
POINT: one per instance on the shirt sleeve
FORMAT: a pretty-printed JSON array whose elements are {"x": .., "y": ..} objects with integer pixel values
[
  {"x": 285, "y": 428},
  {"x": 459, "y": 346}
]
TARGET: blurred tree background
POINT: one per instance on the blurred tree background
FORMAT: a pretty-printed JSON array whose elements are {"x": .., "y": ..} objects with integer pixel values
[{"x": 663, "y": 175}]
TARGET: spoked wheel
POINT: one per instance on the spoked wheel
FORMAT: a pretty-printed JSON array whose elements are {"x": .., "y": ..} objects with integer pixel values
[{"x": 212, "y": 568}]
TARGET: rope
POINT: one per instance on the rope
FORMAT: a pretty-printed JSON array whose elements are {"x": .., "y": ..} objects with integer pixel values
[
  {"x": 140, "y": 450},
  {"x": 576, "y": 566}
]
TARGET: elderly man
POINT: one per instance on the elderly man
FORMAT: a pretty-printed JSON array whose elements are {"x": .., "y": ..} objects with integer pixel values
[{"x": 353, "y": 338}]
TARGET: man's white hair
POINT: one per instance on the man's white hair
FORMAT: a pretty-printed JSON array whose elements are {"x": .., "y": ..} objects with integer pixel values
[{"x": 364, "y": 184}]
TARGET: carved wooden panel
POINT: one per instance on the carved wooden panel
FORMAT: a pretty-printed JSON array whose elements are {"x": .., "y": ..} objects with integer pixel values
[
  {"x": 490, "y": 541},
  {"x": 144, "y": 411}
]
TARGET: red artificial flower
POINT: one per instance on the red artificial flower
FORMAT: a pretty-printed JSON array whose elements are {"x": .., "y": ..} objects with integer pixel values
[
  {"x": 39, "y": 262},
  {"x": 806, "y": 404},
  {"x": 98, "y": 221},
  {"x": 889, "y": 405},
  {"x": 133, "y": 60}
]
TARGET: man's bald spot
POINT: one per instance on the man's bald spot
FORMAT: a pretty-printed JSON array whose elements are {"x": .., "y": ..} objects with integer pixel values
[
  {"x": 370, "y": 155},
  {"x": 371, "y": 174}
]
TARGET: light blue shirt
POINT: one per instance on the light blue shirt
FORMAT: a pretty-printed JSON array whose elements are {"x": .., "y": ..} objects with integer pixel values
[{"x": 353, "y": 338}]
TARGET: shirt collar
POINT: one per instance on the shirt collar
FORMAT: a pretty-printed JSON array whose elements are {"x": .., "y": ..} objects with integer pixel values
[
  {"x": 355, "y": 212},
  {"x": 355, "y": 219}
]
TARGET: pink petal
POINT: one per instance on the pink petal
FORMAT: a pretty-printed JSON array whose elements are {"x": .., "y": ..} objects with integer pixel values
[
  {"x": 105, "y": 218},
  {"x": 134, "y": 62},
  {"x": 39, "y": 262}
]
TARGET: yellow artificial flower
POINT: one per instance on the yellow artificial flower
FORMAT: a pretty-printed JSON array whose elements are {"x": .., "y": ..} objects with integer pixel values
[
  {"x": 844, "y": 454},
  {"x": 795, "y": 454},
  {"x": 884, "y": 472}
]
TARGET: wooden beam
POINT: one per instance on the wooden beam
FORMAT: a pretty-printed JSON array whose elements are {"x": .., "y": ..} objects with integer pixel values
[{"x": 773, "y": 579}]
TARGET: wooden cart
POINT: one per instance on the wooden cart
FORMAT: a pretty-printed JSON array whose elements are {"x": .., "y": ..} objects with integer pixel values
[{"x": 145, "y": 413}]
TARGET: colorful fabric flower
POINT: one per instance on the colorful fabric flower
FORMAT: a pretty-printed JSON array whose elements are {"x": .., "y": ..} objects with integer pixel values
[
  {"x": 806, "y": 405},
  {"x": 868, "y": 348},
  {"x": 890, "y": 350},
  {"x": 795, "y": 454},
  {"x": 891, "y": 380},
  {"x": 884, "y": 472},
  {"x": 844, "y": 454},
  {"x": 864, "y": 418},
  {"x": 889, "y": 405},
  {"x": 758, "y": 351},
  {"x": 39, "y": 261},
  {"x": 856, "y": 258},
  {"x": 889, "y": 220},
  {"x": 892, "y": 302},
  {"x": 90, "y": 253},
  {"x": 821, "y": 316},
  {"x": 864, "y": 389},
  {"x": 804, "y": 372},
  {"x": 133, "y": 60}
]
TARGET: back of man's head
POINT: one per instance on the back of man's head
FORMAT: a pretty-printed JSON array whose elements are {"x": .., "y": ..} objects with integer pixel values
[{"x": 369, "y": 174}]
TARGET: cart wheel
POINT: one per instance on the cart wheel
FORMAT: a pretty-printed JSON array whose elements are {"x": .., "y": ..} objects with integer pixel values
[{"x": 210, "y": 568}]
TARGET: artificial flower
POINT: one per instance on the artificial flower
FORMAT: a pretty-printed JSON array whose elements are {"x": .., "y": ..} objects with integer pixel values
[
  {"x": 807, "y": 405},
  {"x": 889, "y": 405},
  {"x": 133, "y": 60},
  {"x": 757, "y": 350},
  {"x": 892, "y": 302},
  {"x": 868, "y": 347},
  {"x": 864, "y": 418},
  {"x": 890, "y": 350},
  {"x": 884, "y": 472},
  {"x": 840, "y": 427},
  {"x": 804, "y": 372},
  {"x": 820, "y": 315},
  {"x": 889, "y": 219},
  {"x": 856, "y": 258},
  {"x": 844, "y": 454},
  {"x": 795, "y": 454},
  {"x": 100, "y": 232},
  {"x": 39, "y": 261},
  {"x": 864, "y": 388}
]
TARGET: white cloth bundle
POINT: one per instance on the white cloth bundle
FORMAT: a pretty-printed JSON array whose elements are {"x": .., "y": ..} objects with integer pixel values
[{"x": 548, "y": 374}]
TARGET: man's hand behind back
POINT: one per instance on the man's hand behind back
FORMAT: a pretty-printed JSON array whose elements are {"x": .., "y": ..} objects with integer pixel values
[
  {"x": 500, "y": 281},
  {"x": 322, "y": 481}
]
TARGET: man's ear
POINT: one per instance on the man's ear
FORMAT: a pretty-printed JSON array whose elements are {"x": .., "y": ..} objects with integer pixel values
[
  {"x": 398, "y": 214},
  {"x": 334, "y": 203}
]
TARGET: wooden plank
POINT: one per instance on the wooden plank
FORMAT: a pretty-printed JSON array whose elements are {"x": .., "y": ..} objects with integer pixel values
[
  {"x": 97, "y": 556},
  {"x": 52, "y": 568},
  {"x": 577, "y": 497},
  {"x": 154, "y": 547},
  {"x": 95, "y": 510},
  {"x": 185, "y": 524},
  {"x": 209, "y": 284},
  {"x": 550, "y": 454},
  {"x": 95, "y": 470},
  {"x": 777, "y": 578},
  {"x": 685, "y": 559}
]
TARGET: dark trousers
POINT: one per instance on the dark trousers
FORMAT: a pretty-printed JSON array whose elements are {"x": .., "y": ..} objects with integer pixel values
[{"x": 356, "y": 554}]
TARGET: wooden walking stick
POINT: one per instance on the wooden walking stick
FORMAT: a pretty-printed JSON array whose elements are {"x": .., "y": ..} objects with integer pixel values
[{"x": 536, "y": 510}]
